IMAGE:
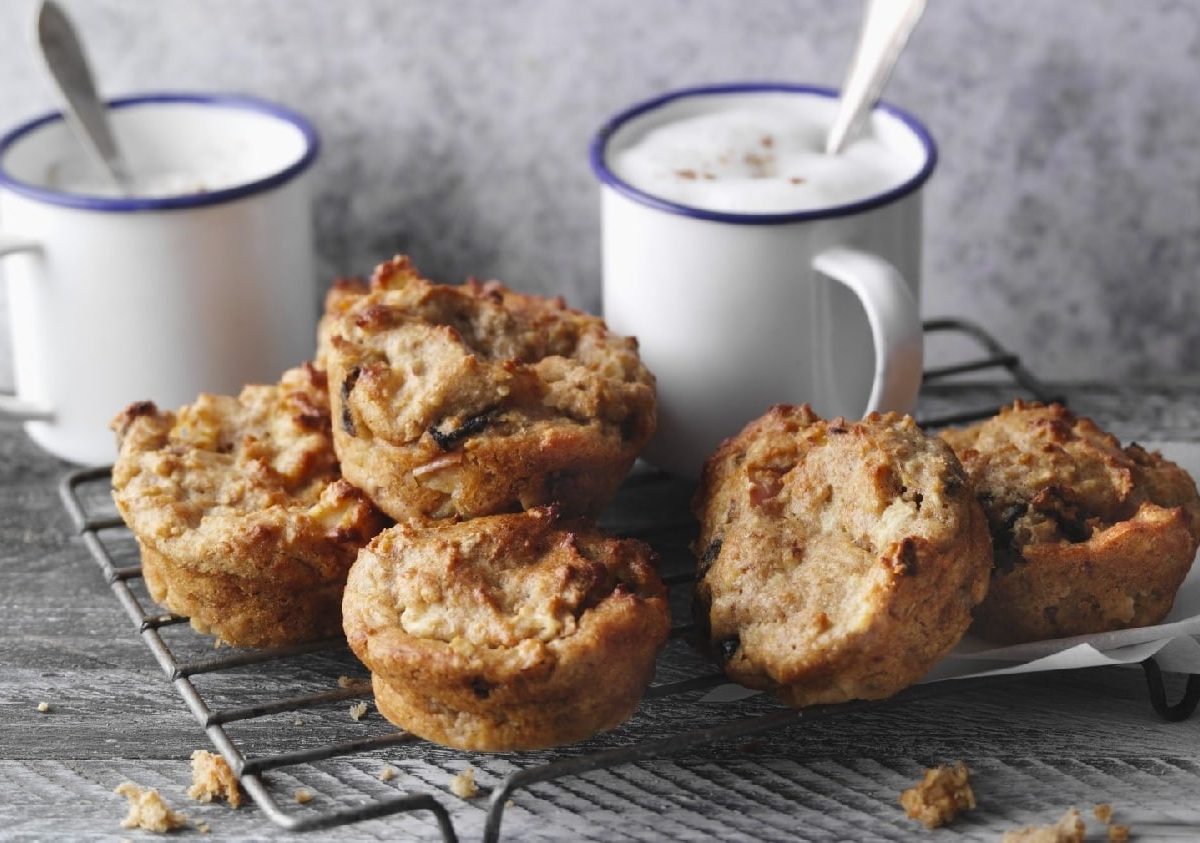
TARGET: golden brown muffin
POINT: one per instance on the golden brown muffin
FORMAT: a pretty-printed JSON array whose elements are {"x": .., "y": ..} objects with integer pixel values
[
  {"x": 505, "y": 632},
  {"x": 1088, "y": 536},
  {"x": 837, "y": 560},
  {"x": 459, "y": 401},
  {"x": 244, "y": 522}
]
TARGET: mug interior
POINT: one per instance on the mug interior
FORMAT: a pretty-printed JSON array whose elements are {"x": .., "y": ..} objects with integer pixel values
[
  {"x": 183, "y": 150},
  {"x": 907, "y": 141}
]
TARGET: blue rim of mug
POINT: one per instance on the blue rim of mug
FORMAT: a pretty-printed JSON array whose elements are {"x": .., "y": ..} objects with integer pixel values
[
  {"x": 606, "y": 176},
  {"x": 161, "y": 203}
]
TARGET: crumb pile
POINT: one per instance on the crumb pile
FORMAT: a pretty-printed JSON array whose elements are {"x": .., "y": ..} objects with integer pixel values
[
  {"x": 147, "y": 810},
  {"x": 463, "y": 784},
  {"x": 943, "y": 794},
  {"x": 1070, "y": 828},
  {"x": 212, "y": 779}
]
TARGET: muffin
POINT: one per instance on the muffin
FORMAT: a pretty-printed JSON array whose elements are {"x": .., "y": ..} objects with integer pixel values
[
  {"x": 505, "y": 632},
  {"x": 461, "y": 401},
  {"x": 244, "y": 522},
  {"x": 838, "y": 560},
  {"x": 1088, "y": 536}
]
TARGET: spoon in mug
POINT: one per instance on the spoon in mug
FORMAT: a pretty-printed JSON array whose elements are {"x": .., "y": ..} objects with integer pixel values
[
  {"x": 885, "y": 30},
  {"x": 63, "y": 56}
]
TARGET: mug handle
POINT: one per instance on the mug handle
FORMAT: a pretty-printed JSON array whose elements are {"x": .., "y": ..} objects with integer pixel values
[
  {"x": 895, "y": 323},
  {"x": 12, "y": 407}
]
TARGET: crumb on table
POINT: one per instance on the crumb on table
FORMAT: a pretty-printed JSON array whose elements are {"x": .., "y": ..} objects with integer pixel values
[
  {"x": 387, "y": 773},
  {"x": 1070, "y": 828},
  {"x": 359, "y": 710},
  {"x": 147, "y": 810},
  {"x": 942, "y": 795},
  {"x": 212, "y": 778},
  {"x": 463, "y": 785},
  {"x": 1117, "y": 833},
  {"x": 303, "y": 796},
  {"x": 43, "y": 706}
]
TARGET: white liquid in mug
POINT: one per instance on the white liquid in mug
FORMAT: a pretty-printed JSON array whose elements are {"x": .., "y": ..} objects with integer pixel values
[
  {"x": 149, "y": 181},
  {"x": 757, "y": 153}
]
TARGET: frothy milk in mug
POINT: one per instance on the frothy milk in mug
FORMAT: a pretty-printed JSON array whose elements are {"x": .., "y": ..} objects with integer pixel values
[
  {"x": 142, "y": 184},
  {"x": 211, "y": 166},
  {"x": 757, "y": 153},
  {"x": 753, "y": 268}
]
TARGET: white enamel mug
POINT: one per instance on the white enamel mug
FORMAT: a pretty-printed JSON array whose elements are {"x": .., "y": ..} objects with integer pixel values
[
  {"x": 203, "y": 282},
  {"x": 736, "y": 312}
]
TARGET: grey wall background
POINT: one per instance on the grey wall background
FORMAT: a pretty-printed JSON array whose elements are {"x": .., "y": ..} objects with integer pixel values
[{"x": 1065, "y": 213}]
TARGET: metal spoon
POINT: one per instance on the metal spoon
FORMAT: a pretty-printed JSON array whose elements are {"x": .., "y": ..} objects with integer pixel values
[
  {"x": 63, "y": 56},
  {"x": 885, "y": 30}
]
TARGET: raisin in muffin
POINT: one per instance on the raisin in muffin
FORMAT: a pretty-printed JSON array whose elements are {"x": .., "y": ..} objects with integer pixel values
[
  {"x": 1088, "y": 536},
  {"x": 513, "y": 631},
  {"x": 837, "y": 560},
  {"x": 244, "y": 522},
  {"x": 460, "y": 401}
]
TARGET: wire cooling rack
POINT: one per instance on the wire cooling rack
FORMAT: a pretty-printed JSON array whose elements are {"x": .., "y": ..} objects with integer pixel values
[{"x": 109, "y": 543}]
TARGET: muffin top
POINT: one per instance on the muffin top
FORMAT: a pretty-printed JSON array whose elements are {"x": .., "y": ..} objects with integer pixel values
[
  {"x": 1045, "y": 475},
  {"x": 411, "y": 358},
  {"x": 224, "y": 479},
  {"x": 499, "y": 599},
  {"x": 862, "y": 487}
]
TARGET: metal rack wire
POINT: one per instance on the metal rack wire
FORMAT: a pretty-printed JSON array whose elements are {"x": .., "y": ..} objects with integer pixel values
[{"x": 100, "y": 531}]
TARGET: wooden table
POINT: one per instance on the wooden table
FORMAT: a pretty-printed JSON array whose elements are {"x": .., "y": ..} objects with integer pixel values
[{"x": 1035, "y": 745}]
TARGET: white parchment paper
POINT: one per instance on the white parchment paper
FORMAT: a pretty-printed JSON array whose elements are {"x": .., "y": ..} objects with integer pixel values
[{"x": 1174, "y": 642}]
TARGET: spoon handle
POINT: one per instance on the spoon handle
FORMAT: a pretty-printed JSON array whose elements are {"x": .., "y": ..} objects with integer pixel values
[
  {"x": 68, "y": 67},
  {"x": 885, "y": 30}
]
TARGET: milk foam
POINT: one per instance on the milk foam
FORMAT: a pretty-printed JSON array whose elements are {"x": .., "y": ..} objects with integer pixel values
[
  {"x": 758, "y": 154},
  {"x": 82, "y": 179}
]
